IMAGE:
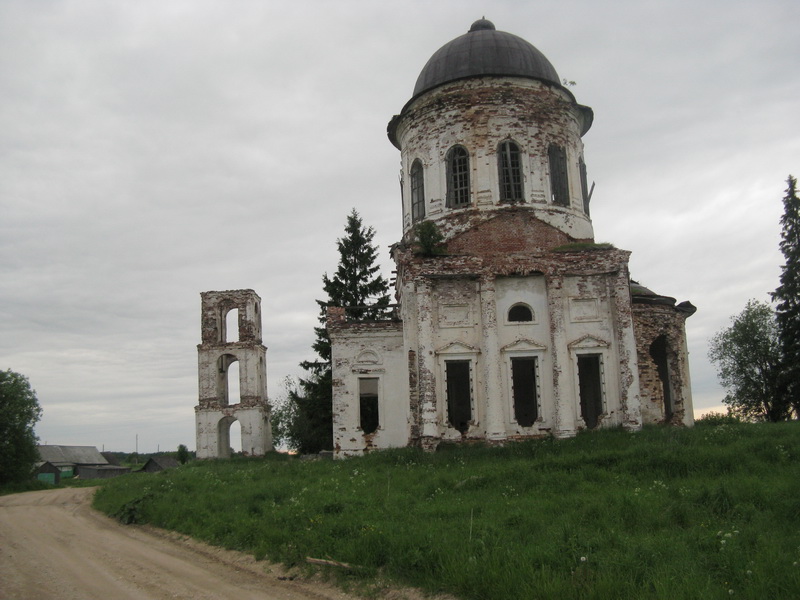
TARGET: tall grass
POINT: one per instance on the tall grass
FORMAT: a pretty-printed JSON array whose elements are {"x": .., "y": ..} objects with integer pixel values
[{"x": 708, "y": 512}]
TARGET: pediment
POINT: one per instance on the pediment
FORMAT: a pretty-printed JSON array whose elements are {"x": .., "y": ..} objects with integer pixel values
[
  {"x": 457, "y": 348},
  {"x": 588, "y": 341},
  {"x": 368, "y": 357},
  {"x": 524, "y": 345}
]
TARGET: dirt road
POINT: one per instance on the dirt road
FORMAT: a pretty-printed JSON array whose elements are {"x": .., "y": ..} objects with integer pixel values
[{"x": 53, "y": 545}]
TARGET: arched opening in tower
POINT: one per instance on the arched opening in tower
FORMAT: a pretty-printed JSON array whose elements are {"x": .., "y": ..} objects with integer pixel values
[
  {"x": 229, "y": 437},
  {"x": 232, "y": 326}
]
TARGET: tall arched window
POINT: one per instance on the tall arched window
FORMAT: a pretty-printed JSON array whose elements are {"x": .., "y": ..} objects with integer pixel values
[
  {"x": 510, "y": 166},
  {"x": 559, "y": 184},
  {"x": 417, "y": 192},
  {"x": 457, "y": 177}
]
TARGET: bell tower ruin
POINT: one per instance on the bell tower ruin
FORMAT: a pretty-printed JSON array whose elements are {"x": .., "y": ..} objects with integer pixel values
[{"x": 219, "y": 351}]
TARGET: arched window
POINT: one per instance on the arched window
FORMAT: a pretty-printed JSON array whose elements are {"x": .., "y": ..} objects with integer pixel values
[
  {"x": 659, "y": 352},
  {"x": 417, "y": 192},
  {"x": 457, "y": 177},
  {"x": 510, "y": 166},
  {"x": 520, "y": 313},
  {"x": 559, "y": 184}
]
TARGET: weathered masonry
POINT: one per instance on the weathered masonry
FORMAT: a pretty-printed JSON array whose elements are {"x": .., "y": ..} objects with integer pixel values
[
  {"x": 219, "y": 351},
  {"x": 521, "y": 326}
]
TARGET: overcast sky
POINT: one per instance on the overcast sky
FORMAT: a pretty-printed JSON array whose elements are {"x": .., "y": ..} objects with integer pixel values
[{"x": 150, "y": 151}]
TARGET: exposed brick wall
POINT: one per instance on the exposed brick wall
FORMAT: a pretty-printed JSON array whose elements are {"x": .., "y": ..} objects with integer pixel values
[
  {"x": 515, "y": 229},
  {"x": 650, "y": 322}
]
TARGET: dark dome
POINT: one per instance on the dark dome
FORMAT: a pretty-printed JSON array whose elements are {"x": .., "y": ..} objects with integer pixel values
[{"x": 485, "y": 51}]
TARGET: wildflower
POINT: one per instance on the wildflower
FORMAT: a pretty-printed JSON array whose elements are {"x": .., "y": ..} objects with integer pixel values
[
  {"x": 583, "y": 559},
  {"x": 730, "y": 592}
]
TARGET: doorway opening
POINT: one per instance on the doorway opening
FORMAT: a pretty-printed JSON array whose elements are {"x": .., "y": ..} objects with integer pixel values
[
  {"x": 590, "y": 381},
  {"x": 459, "y": 394}
]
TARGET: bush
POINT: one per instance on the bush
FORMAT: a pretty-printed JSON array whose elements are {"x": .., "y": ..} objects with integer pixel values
[{"x": 714, "y": 419}]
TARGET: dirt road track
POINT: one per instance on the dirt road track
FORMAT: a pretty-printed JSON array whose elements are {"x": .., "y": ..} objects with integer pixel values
[{"x": 53, "y": 545}]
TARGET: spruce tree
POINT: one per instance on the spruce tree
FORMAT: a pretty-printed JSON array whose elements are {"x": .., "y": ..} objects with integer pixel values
[
  {"x": 359, "y": 287},
  {"x": 787, "y": 295}
]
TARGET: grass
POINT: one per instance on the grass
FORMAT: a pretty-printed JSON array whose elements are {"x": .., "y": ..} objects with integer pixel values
[
  {"x": 29, "y": 485},
  {"x": 708, "y": 512}
]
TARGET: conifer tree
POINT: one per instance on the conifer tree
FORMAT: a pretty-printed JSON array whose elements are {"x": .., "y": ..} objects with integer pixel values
[
  {"x": 359, "y": 287},
  {"x": 787, "y": 296}
]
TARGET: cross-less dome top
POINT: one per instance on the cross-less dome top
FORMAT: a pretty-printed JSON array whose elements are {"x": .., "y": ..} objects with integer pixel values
[{"x": 485, "y": 51}]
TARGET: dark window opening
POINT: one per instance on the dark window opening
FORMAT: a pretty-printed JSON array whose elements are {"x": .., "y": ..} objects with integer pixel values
[
  {"x": 591, "y": 388},
  {"x": 417, "y": 192},
  {"x": 510, "y": 165},
  {"x": 584, "y": 186},
  {"x": 559, "y": 184},
  {"x": 457, "y": 177},
  {"x": 520, "y": 313},
  {"x": 459, "y": 394},
  {"x": 523, "y": 383},
  {"x": 658, "y": 352},
  {"x": 368, "y": 399}
]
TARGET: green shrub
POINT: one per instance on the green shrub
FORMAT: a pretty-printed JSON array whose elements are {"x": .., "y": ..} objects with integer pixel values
[
  {"x": 429, "y": 239},
  {"x": 714, "y": 419}
]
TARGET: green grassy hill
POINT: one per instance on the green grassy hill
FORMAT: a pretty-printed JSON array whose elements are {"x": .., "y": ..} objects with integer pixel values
[{"x": 708, "y": 512}]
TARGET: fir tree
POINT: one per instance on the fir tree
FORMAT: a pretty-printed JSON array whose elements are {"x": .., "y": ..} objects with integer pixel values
[
  {"x": 359, "y": 287},
  {"x": 787, "y": 296}
]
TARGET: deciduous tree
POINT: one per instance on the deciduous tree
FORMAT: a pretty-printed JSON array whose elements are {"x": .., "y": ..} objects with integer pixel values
[
  {"x": 19, "y": 412},
  {"x": 748, "y": 359},
  {"x": 787, "y": 295},
  {"x": 358, "y": 286}
]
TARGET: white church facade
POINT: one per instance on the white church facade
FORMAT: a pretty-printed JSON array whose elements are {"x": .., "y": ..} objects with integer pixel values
[{"x": 521, "y": 326}]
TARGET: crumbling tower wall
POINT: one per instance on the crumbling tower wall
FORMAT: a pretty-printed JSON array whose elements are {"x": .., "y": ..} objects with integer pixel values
[{"x": 219, "y": 350}]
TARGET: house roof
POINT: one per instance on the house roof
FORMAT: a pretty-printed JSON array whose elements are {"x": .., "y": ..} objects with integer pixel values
[
  {"x": 76, "y": 455},
  {"x": 165, "y": 462}
]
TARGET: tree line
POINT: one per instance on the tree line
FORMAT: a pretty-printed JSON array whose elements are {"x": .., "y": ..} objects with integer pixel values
[{"x": 758, "y": 356}]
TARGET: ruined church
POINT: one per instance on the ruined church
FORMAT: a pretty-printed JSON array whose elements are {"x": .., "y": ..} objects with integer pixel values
[
  {"x": 520, "y": 325},
  {"x": 517, "y": 324}
]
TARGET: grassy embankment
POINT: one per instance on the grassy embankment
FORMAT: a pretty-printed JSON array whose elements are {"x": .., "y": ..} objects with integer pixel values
[{"x": 709, "y": 512}]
